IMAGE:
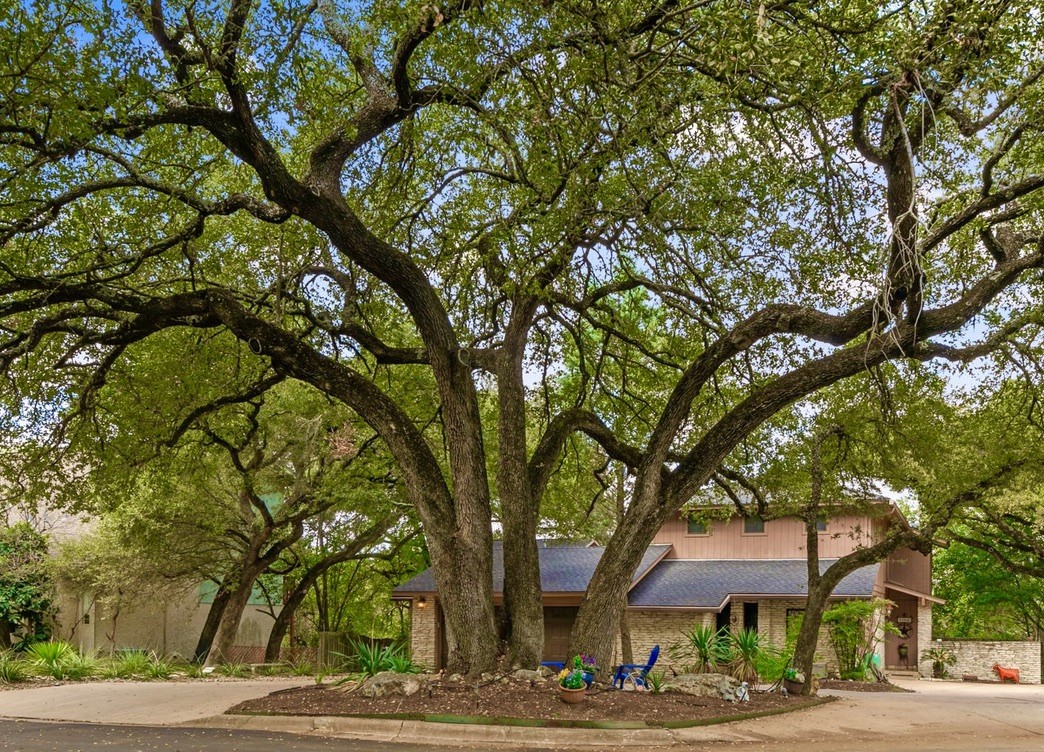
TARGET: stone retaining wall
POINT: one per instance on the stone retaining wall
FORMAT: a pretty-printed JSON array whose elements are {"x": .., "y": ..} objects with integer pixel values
[{"x": 977, "y": 657}]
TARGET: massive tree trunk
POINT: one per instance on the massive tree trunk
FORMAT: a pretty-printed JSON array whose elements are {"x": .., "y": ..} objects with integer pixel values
[
  {"x": 519, "y": 504},
  {"x": 232, "y": 614}
]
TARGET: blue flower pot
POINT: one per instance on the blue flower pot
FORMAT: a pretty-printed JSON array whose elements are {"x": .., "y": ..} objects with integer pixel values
[{"x": 588, "y": 678}]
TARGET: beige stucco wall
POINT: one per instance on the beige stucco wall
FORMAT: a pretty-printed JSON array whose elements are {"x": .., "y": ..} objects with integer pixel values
[{"x": 168, "y": 626}]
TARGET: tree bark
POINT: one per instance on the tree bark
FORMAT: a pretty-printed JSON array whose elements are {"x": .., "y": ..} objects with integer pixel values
[
  {"x": 225, "y": 635},
  {"x": 519, "y": 505},
  {"x": 210, "y": 626}
]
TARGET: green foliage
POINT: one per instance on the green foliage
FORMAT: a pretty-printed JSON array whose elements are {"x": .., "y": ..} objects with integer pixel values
[
  {"x": 13, "y": 668},
  {"x": 746, "y": 654},
  {"x": 941, "y": 657},
  {"x": 26, "y": 583},
  {"x": 370, "y": 658},
  {"x": 655, "y": 680},
  {"x": 853, "y": 626},
  {"x": 233, "y": 670},
  {"x": 51, "y": 657},
  {"x": 571, "y": 678},
  {"x": 704, "y": 649}
]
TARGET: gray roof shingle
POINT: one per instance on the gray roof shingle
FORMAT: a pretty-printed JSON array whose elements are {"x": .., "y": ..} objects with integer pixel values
[
  {"x": 705, "y": 584},
  {"x": 564, "y": 568}
]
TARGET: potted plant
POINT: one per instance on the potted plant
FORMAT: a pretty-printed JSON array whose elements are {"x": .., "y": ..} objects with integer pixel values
[
  {"x": 571, "y": 685},
  {"x": 793, "y": 680},
  {"x": 587, "y": 665},
  {"x": 941, "y": 657}
]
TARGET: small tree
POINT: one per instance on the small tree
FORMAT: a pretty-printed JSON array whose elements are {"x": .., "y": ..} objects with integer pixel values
[
  {"x": 855, "y": 628},
  {"x": 26, "y": 587}
]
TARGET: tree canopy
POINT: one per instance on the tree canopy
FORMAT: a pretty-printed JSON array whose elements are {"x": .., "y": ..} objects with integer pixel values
[{"x": 704, "y": 212}]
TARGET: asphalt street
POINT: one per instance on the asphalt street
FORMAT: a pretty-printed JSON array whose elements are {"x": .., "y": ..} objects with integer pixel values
[{"x": 34, "y": 736}]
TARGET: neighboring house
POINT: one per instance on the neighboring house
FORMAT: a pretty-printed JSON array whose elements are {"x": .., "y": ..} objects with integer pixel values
[
  {"x": 166, "y": 622},
  {"x": 740, "y": 572}
]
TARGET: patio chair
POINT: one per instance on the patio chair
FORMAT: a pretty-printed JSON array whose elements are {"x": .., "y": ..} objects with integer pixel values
[{"x": 635, "y": 673}]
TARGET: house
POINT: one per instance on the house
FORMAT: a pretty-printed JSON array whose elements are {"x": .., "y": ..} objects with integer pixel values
[{"x": 738, "y": 572}]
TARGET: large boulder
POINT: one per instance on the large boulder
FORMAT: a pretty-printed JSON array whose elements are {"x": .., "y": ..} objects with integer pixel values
[
  {"x": 704, "y": 685},
  {"x": 390, "y": 683}
]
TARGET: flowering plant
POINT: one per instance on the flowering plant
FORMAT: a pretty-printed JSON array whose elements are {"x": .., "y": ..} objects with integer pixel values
[
  {"x": 585, "y": 662},
  {"x": 571, "y": 678}
]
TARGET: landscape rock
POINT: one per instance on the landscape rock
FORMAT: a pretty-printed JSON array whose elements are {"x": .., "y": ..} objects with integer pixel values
[
  {"x": 547, "y": 672},
  {"x": 390, "y": 683},
  {"x": 704, "y": 685}
]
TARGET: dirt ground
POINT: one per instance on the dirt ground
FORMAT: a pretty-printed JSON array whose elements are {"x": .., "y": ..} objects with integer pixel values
[{"x": 518, "y": 699}]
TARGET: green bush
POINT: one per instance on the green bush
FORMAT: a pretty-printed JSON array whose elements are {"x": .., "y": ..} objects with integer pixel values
[
  {"x": 129, "y": 664},
  {"x": 50, "y": 658},
  {"x": 12, "y": 668},
  {"x": 853, "y": 626}
]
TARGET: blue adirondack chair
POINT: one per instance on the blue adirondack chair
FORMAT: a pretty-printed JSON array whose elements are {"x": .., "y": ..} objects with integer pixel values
[{"x": 635, "y": 672}]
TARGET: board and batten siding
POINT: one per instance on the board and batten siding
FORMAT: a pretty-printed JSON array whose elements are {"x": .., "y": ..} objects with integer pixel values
[
  {"x": 783, "y": 539},
  {"x": 909, "y": 569}
]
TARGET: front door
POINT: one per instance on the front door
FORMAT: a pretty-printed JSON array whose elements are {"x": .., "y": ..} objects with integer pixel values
[{"x": 558, "y": 623}]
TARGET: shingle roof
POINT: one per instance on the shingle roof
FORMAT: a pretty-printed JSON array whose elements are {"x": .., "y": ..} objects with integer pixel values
[
  {"x": 564, "y": 568},
  {"x": 706, "y": 583}
]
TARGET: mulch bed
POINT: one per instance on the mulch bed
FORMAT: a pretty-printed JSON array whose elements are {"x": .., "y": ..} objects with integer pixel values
[
  {"x": 860, "y": 686},
  {"x": 509, "y": 698}
]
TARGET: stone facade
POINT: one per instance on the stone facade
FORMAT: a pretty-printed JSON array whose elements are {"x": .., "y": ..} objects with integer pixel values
[
  {"x": 666, "y": 628},
  {"x": 976, "y": 657},
  {"x": 924, "y": 639},
  {"x": 423, "y": 634}
]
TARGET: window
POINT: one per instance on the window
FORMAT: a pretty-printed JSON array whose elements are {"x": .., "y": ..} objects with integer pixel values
[
  {"x": 695, "y": 527},
  {"x": 821, "y": 523},
  {"x": 753, "y": 524}
]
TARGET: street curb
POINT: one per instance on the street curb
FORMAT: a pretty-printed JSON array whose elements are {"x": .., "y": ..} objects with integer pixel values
[{"x": 421, "y": 732}]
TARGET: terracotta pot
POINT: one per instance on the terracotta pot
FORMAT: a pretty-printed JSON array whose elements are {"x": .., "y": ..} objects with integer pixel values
[{"x": 571, "y": 696}]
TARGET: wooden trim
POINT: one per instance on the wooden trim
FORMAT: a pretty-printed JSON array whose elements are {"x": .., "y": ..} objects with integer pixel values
[{"x": 910, "y": 591}]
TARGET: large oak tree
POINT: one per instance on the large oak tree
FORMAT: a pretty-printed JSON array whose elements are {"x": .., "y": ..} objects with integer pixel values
[{"x": 705, "y": 211}]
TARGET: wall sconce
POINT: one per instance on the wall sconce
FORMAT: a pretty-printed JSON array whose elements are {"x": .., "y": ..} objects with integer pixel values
[{"x": 421, "y": 603}]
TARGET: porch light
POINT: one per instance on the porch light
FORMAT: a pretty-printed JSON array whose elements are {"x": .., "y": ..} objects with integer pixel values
[{"x": 421, "y": 603}]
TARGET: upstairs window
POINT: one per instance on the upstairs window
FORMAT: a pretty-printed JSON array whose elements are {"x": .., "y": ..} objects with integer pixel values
[
  {"x": 753, "y": 524},
  {"x": 695, "y": 527},
  {"x": 821, "y": 523}
]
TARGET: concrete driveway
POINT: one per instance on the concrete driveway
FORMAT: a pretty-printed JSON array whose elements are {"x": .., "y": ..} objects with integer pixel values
[
  {"x": 143, "y": 703},
  {"x": 938, "y": 716}
]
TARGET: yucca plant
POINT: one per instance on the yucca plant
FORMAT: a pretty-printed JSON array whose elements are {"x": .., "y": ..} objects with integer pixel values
[
  {"x": 704, "y": 649},
  {"x": 401, "y": 663},
  {"x": 746, "y": 655},
  {"x": 12, "y": 668},
  {"x": 51, "y": 658}
]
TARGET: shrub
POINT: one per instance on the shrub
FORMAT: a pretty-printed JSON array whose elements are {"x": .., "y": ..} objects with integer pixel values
[
  {"x": 51, "y": 658},
  {"x": 128, "y": 664},
  {"x": 12, "y": 668},
  {"x": 235, "y": 670},
  {"x": 655, "y": 681},
  {"x": 158, "y": 669},
  {"x": 853, "y": 626},
  {"x": 371, "y": 659}
]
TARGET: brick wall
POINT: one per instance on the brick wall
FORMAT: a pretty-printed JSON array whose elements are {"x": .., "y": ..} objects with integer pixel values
[
  {"x": 978, "y": 656},
  {"x": 422, "y": 635}
]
